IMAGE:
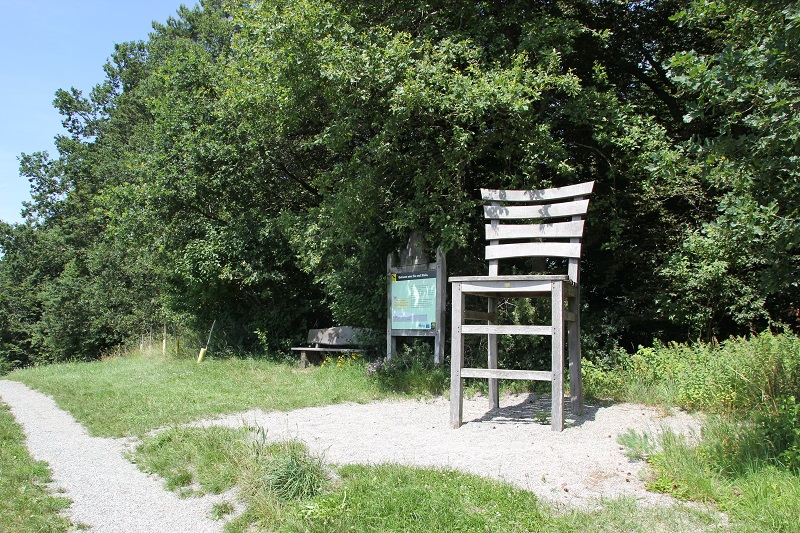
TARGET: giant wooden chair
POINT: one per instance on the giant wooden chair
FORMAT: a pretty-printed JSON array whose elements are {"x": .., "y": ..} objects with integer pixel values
[{"x": 544, "y": 223}]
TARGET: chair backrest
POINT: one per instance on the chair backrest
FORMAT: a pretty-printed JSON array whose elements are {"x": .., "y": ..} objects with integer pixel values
[{"x": 536, "y": 223}]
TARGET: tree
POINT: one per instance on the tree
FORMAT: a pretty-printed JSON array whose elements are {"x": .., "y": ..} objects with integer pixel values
[
  {"x": 741, "y": 264},
  {"x": 254, "y": 163}
]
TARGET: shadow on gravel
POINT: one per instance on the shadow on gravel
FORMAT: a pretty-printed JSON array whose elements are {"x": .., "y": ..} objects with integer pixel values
[{"x": 535, "y": 409}]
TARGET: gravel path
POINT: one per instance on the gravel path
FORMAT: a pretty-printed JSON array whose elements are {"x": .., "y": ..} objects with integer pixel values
[
  {"x": 574, "y": 468},
  {"x": 109, "y": 493}
]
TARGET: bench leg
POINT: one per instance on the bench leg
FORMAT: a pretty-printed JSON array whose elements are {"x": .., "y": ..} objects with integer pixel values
[{"x": 310, "y": 358}]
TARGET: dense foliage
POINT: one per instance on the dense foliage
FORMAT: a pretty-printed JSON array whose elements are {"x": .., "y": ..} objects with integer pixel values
[{"x": 254, "y": 163}]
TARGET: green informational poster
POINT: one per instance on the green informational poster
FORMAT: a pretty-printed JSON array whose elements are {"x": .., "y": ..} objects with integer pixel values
[{"x": 414, "y": 300}]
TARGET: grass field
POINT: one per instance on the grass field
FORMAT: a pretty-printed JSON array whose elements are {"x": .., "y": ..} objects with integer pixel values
[
  {"x": 128, "y": 396},
  {"x": 25, "y": 503},
  {"x": 285, "y": 488}
]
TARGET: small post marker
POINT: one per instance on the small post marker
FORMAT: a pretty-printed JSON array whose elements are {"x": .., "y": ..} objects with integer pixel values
[{"x": 202, "y": 354}]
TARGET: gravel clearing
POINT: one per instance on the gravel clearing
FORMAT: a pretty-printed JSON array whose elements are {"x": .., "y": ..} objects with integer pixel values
[{"x": 575, "y": 468}]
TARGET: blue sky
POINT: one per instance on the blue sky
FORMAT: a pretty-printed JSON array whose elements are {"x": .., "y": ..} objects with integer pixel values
[{"x": 47, "y": 45}]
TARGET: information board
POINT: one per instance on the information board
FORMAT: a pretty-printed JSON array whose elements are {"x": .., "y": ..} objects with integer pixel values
[{"x": 413, "y": 300}]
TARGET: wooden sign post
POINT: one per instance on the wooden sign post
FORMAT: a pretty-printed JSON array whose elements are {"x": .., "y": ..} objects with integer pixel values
[{"x": 416, "y": 295}]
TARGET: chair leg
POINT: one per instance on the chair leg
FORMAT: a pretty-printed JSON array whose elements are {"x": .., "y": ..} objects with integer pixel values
[
  {"x": 457, "y": 358},
  {"x": 557, "y": 406},
  {"x": 575, "y": 377},
  {"x": 494, "y": 393}
]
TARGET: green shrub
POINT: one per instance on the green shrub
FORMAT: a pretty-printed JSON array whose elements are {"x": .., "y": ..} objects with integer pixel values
[
  {"x": 411, "y": 371},
  {"x": 752, "y": 383},
  {"x": 602, "y": 381},
  {"x": 737, "y": 376}
]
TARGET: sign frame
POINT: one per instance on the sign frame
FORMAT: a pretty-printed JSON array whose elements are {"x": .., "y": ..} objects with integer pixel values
[{"x": 409, "y": 274}]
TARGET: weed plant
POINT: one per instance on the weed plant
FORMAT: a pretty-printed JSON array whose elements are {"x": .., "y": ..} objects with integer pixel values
[{"x": 748, "y": 460}]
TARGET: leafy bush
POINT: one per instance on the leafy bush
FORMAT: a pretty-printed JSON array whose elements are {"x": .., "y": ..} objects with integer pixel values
[
  {"x": 411, "y": 370},
  {"x": 737, "y": 376},
  {"x": 6, "y": 366},
  {"x": 600, "y": 380}
]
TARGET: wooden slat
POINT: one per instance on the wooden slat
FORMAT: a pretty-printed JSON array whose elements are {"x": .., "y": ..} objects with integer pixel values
[
  {"x": 479, "y": 315},
  {"x": 476, "y": 286},
  {"x": 327, "y": 349},
  {"x": 556, "y": 230},
  {"x": 570, "y": 191},
  {"x": 534, "y": 249},
  {"x": 414, "y": 332},
  {"x": 532, "y": 375},
  {"x": 494, "y": 329},
  {"x": 516, "y": 212}
]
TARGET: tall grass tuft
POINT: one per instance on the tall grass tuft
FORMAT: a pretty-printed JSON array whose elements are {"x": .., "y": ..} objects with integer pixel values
[
  {"x": 293, "y": 473},
  {"x": 25, "y": 502}
]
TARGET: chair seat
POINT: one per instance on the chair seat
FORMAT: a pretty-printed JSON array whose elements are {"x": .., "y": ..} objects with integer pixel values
[
  {"x": 531, "y": 277},
  {"x": 512, "y": 286}
]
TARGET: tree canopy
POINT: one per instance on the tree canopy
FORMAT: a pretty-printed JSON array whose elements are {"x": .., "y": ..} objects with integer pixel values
[{"x": 254, "y": 163}]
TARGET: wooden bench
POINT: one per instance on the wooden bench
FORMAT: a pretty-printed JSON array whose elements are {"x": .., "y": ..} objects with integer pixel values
[{"x": 336, "y": 339}]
